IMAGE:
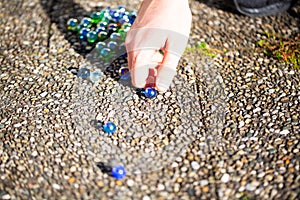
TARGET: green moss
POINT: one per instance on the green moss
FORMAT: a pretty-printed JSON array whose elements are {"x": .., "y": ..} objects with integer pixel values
[
  {"x": 282, "y": 49},
  {"x": 204, "y": 49}
]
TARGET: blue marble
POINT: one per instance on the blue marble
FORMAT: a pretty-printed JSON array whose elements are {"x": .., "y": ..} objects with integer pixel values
[
  {"x": 92, "y": 36},
  {"x": 83, "y": 33},
  {"x": 150, "y": 92},
  {"x": 115, "y": 37},
  {"x": 100, "y": 45},
  {"x": 102, "y": 35},
  {"x": 109, "y": 128},
  {"x": 112, "y": 27},
  {"x": 124, "y": 73},
  {"x": 118, "y": 172},
  {"x": 116, "y": 17},
  {"x": 112, "y": 45},
  {"x": 72, "y": 24},
  {"x": 86, "y": 22},
  {"x": 99, "y": 29},
  {"x": 83, "y": 73},
  {"x": 102, "y": 24},
  {"x": 122, "y": 8},
  {"x": 105, "y": 52},
  {"x": 95, "y": 77}
]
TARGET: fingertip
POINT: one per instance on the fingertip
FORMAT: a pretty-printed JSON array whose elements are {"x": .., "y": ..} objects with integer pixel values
[
  {"x": 139, "y": 77},
  {"x": 165, "y": 77}
]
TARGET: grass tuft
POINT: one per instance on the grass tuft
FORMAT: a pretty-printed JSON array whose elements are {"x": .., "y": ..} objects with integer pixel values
[{"x": 285, "y": 50}]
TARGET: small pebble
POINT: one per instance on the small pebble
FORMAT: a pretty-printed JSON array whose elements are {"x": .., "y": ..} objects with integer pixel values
[
  {"x": 195, "y": 165},
  {"x": 225, "y": 178}
]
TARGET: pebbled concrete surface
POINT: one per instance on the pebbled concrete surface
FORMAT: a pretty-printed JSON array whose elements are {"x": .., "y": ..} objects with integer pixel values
[{"x": 45, "y": 155}]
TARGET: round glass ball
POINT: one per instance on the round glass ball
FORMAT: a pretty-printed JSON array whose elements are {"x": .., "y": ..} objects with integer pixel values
[
  {"x": 109, "y": 128},
  {"x": 96, "y": 17},
  {"x": 118, "y": 172},
  {"x": 86, "y": 22},
  {"x": 95, "y": 77},
  {"x": 112, "y": 45},
  {"x": 83, "y": 33},
  {"x": 92, "y": 36},
  {"x": 72, "y": 24},
  {"x": 115, "y": 37},
  {"x": 102, "y": 35},
  {"x": 83, "y": 73},
  {"x": 150, "y": 92},
  {"x": 100, "y": 45}
]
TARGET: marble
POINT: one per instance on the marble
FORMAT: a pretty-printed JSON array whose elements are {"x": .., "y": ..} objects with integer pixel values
[
  {"x": 118, "y": 172},
  {"x": 150, "y": 92},
  {"x": 96, "y": 17},
  {"x": 72, "y": 24},
  {"x": 115, "y": 37},
  {"x": 112, "y": 45},
  {"x": 83, "y": 33},
  {"x": 95, "y": 77},
  {"x": 92, "y": 36},
  {"x": 84, "y": 73},
  {"x": 100, "y": 45},
  {"x": 109, "y": 127},
  {"x": 86, "y": 22},
  {"x": 102, "y": 35},
  {"x": 124, "y": 73},
  {"x": 102, "y": 24}
]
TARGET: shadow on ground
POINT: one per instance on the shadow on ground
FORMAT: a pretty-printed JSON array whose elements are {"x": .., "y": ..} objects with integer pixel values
[{"x": 59, "y": 12}]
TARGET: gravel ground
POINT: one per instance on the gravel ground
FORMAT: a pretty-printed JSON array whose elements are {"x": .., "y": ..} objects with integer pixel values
[{"x": 229, "y": 127}]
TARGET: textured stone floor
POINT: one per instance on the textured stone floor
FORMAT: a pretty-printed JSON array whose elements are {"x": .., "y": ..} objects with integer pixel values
[{"x": 45, "y": 153}]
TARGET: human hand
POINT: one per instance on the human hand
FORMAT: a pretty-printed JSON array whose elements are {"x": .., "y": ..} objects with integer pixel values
[{"x": 160, "y": 25}]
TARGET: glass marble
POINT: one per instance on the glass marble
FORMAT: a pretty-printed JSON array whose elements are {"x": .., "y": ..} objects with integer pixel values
[
  {"x": 83, "y": 33},
  {"x": 109, "y": 128},
  {"x": 102, "y": 24},
  {"x": 150, "y": 92},
  {"x": 125, "y": 18},
  {"x": 112, "y": 28},
  {"x": 112, "y": 45},
  {"x": 96, "y": 17},
  {"x": 99, "y": 29},
  {"x": 102, "y": 35},
  {"x": 122, "y": 8},
  {"x": 72, "y": 24},
  {"x": 105, "y": 13},
  {"x": 83, "y": 73},
  {"x": 115, "y": 37},
  {"x": 118, "y": 172},
  {"x": 105, "y": 52},
  {"x": 124, "y": 73},
  {"x": 92, "y": 36},
  {"x": 95, "y": 76},
  {"x": 126, "y": 26},
  {"x": 86, "y": 22},
  {"x": 116, "y": 17},
  {"x": 123, "y": 34},
  {"x": 100, "y": 45},
  {"x": 106, "y": 19}
]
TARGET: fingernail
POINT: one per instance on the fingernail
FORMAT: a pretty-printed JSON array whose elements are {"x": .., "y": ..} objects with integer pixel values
[{"x": 162, "y": 87}]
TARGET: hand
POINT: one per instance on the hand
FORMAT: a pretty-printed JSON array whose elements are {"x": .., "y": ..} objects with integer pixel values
[{"x": 160, "y": 25}]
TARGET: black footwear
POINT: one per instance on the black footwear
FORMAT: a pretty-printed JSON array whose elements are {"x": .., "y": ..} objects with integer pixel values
[{"x": 262, "y": 7}]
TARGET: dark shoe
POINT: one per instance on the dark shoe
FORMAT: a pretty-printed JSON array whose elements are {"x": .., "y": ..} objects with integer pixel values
[{"x": 262, "y": 7}]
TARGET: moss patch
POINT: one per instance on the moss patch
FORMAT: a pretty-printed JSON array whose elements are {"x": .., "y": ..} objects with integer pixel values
[{"x": 283, "y": 49}]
